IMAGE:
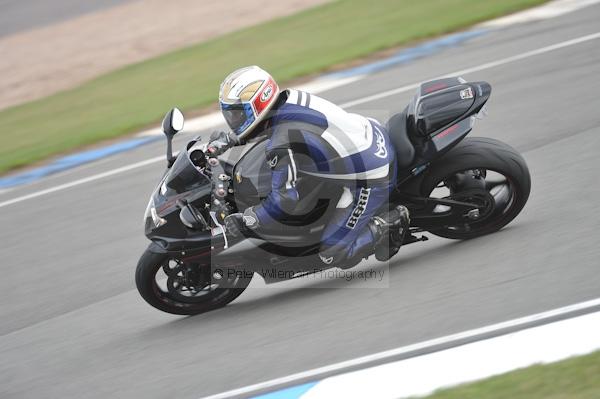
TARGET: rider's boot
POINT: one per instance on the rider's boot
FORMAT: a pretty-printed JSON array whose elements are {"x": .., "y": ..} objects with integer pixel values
[{"x": 389, "y": 230}]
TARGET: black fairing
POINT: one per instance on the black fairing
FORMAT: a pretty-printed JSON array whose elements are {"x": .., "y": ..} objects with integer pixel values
[
  {"x": 442, "y": 113},
  {"x": 439, "y": 116},
  {"x": 440, "y": 103},
  {"x": 182, "y": 181},
  {"x": 439, "y": 109}
]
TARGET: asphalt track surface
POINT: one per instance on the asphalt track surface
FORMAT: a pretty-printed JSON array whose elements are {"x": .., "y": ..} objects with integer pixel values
[
  {"x": 73, "y": 325},
  {"x": 21, "y": 15}
]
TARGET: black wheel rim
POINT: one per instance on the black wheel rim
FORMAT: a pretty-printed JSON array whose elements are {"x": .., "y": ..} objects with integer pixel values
[
  {"x": 184, "y": 284},
  {"x": 492, "y": 191}
]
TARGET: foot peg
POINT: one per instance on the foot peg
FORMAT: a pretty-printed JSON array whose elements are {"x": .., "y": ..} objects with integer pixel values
[{"x": 409, "y": 239}]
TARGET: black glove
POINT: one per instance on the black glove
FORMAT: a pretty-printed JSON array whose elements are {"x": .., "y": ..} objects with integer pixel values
[
  {"x": 234, "y": 225},
  {"x": 237, "y": 224},
  {"x": 219, "y": 142}
]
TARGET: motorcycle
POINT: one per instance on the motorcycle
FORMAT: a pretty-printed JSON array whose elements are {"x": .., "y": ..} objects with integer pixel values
[{"x": 454, "y": 186}]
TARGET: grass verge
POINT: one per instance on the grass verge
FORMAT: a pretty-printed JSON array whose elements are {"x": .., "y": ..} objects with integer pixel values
[
  {"x": 133, "y": 97},
  {"x": 574, "y": 378}
]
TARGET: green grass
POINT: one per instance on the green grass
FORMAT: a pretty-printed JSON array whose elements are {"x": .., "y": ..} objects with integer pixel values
[
  {"x": 575, "y": 378},
  {"x": 134, "y": 97}
]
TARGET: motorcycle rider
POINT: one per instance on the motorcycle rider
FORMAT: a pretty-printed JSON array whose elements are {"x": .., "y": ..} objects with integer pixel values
[{"x": 309, "y": 137}]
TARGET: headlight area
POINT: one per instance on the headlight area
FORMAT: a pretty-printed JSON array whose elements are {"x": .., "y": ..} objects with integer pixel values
[
  {"x": 158, "y": 221},
  {"x": 151, "y": 213}
]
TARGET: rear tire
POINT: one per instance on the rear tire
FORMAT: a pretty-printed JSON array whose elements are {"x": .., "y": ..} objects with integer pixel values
[
  {"x": 151, "y": 263},
  {"x": 486, "y": 154}
]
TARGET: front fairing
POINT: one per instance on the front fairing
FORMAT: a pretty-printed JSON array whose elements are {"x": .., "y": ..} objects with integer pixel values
[{"x": 183, "y": 181}]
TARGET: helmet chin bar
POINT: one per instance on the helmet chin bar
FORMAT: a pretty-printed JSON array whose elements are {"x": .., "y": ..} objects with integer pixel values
[
  {"x": 238, "y": 116},
  {"x": 243, "y": 130}
]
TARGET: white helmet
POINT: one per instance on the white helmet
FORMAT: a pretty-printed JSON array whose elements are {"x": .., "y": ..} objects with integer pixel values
[{"x": 246, "y": 96}]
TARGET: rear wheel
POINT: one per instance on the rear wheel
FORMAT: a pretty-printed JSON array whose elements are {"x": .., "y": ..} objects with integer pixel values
[
  {"x": 483, "y": 171},
  {"x": 180, "y": 288}
]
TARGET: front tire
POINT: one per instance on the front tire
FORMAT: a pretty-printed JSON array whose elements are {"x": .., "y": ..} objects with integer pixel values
[
  {"x": 464, "y": 170},
  {"x": 163, "y": 293}
]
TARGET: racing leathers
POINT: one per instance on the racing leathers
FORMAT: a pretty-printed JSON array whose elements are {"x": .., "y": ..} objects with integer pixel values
[{"x": 311, "y": 139}]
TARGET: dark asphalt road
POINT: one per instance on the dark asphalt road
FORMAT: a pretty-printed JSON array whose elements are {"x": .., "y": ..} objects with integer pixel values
[
  {"x": 73, "y": 325},
  {"x": 21, "y": 15}
]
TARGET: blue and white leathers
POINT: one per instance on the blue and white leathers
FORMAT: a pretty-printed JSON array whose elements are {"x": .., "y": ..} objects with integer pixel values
[{"x": 312, "y": 138}]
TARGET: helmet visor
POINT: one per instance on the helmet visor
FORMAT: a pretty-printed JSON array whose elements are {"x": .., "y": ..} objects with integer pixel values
[{"x": 238, "y": 116}]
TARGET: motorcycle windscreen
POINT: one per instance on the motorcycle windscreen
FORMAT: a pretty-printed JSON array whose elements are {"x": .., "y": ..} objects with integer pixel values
[
  {"x": 183, "y": 176},
  {"x": 182, "y": 181}
]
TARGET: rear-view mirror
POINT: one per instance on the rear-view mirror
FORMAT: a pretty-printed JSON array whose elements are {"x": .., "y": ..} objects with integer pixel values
[{"x": 173, "y": 122}]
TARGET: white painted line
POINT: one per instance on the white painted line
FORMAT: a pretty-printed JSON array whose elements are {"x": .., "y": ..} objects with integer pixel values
[
  {"x": 84, "y": 180},
  {"x": 321, "y": 85},
  {"x": 204, "y": 122},
  {"x": 549, "y": 10},
  {"x": 422, "y": 375},
  {"x": 478, "y": 68},
  {"x": 422, "y": 346},
  {"x": 362, "y": 100}
]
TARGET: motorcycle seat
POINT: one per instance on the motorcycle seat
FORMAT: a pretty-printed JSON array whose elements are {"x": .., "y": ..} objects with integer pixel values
[{"x": 405, "y": 151}]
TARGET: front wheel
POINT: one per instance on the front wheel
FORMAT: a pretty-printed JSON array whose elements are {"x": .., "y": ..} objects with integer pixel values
[
  {"x": 182, "y": 288},
  {"x": 484, "y": 171}
]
